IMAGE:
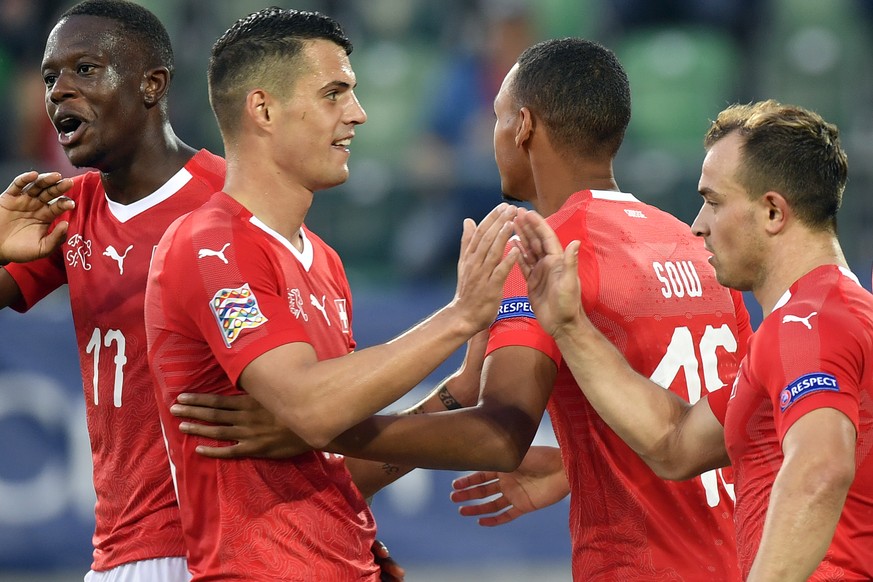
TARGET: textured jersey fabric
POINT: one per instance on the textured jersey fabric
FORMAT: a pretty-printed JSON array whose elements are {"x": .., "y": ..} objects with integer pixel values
[
  {"x": 225, "y": 289},
  {"x": 105, "y": 261},
  {"x": 647, "y": 286},
  {"x": 813, "y": 351}
]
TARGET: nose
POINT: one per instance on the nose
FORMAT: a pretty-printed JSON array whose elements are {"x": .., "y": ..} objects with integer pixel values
[
  {"x": 356, "y": 112},
  {"x": 699, "y": 227},
  {"x": 63, "y": 87}
]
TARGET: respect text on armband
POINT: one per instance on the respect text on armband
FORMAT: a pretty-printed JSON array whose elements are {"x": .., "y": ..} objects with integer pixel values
[
  {"x": 515, "y": 307},
  {"x": 806, "y": 385}
]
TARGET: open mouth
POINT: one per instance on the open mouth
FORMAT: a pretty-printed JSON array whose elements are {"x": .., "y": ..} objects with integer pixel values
[{"x": 69, "y": 130}]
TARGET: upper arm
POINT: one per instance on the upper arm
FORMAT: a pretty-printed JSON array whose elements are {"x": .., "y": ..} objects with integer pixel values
[
  {"x": 824, "y": 435},
  {"x": 699, "y": 442}
]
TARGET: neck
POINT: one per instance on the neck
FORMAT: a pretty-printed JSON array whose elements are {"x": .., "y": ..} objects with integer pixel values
[
  {"x": 157, "y": 158},
  {"x": 785, "y": 265},
  {"x": 556, "y": 182},
  {"x": 279, "y": 205}
]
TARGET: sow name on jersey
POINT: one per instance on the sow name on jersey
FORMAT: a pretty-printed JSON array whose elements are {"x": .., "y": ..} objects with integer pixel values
[
  {"x": 678, "y": 279},
  {"x": 515, "y": 307}
]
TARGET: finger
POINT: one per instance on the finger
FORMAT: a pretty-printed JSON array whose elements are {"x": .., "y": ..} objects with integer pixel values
[
  {"x": 501, "y": 272},
  {"x": 22, "y": 181},
  {"x": 239, "y": 402},
  {"x": 571, "y": 257},
  {"x": 202, "y": 413},
  {"x": 227, "y": 452},
  {"x": 486, "y": 508},
  {"x": 49, "y": 186},
  {"x": 214, "y": 432},
  {"x": 379, "y": 549},
  {"x": 499, "y": 519},
  {"x": 473, "y": 479},
  {"x": 56, "y": 237},
  {"x": 488, "y": 229},
  {"x": 477, "y": 492}
]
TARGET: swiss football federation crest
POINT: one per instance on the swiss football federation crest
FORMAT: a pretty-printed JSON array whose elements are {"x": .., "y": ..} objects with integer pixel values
[
  {"x": 236, "y": 310},
  {"x": 79, "y": 251},
  {"x": 295, "y": 304}
]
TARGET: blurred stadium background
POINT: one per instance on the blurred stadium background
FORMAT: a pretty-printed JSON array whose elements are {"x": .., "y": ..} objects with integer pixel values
[{"x": 427, "y": 74}]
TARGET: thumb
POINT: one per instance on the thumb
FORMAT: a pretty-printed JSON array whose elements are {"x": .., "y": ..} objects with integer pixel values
[
  {"x": 571, "y": 256},
  {"x": 54, "y": 239}
]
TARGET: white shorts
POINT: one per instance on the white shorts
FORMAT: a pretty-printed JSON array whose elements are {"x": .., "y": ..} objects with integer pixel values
[{"x": 163, "y": 569}]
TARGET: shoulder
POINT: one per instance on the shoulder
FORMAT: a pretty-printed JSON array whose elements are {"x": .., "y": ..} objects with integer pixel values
[{"x": 208, "y": 169}]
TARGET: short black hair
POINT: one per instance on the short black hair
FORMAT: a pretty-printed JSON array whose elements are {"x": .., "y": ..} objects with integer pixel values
[
  {"x": 250, "y": 49},
  {"x": 135, "y": 20},
  {"x": 580, "y": 91}
]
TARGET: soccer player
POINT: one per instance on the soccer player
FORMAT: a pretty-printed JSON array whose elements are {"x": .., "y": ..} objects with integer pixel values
[
  {"x": 797, "y": 424},
  {"x": 561, "y": 117},
  {"x": 107, "y": 69},
  {"x": 243, "y": 298}
]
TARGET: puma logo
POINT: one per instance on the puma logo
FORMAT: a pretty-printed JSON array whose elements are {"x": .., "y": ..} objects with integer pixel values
[
  {"x": 797, "y": 319},
  {"x": 320, "y": 306},
  {"x": 210, "y": 253},
  {"x": 113, "y": 254}
]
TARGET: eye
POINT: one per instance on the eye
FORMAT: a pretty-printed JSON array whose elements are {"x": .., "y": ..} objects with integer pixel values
[
  {"x": 49, "y": 79},
  {"x": 333, "y": 95},
  {"x": 84, "y": 69}
]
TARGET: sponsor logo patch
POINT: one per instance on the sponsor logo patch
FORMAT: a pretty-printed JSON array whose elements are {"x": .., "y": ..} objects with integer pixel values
[
  {"x": 236, "y": 310},
  {"x": 806, "y": 385},
  {"x": 515, "y": 307}
]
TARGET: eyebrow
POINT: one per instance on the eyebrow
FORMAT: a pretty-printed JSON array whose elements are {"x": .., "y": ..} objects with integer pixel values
[{"x": 339, "y": 85}]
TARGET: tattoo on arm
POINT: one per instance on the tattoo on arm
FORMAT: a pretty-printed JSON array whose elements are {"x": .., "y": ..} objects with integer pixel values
[
  {"x": 390, "y": 469},
  {"x": 448, "y": 400}
]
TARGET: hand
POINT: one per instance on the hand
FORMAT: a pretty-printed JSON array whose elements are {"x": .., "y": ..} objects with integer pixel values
[
  {"x": 483, "y": 266},
  {"x": 26, "y": 215},
  {"x": 238, "y": 419},
  {"x": 391, "y": 570},
  {"x": 552, "y": 273},
  {"x": 538, "y": 482}
]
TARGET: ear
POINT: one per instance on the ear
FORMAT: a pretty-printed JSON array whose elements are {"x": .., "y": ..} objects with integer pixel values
[
  {"x": 778, "y": 211},
  {"x": 525, "y": 128},
  {"x": 156, "y": 82},
  {"x": 258, "y": 108}
]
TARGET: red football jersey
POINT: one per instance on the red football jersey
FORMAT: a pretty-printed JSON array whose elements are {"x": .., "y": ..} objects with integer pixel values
[
  {"x": 224, "y": 289},
  {"x": 105, "y": 261},
  {"x": 647, "y": 285},
  {"x": 811, "y": 352}
]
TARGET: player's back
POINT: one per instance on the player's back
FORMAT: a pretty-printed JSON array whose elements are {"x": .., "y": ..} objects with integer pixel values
[{"x": 648, "y": 286}]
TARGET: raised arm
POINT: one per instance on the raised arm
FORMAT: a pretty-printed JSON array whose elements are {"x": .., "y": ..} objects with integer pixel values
[
  {"x": 319, "y": 399},
  {"x": 675, "y": 439}
]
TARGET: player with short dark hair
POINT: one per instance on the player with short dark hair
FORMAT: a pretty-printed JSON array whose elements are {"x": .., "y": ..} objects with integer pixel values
[
  {"x": 242, "y": 298},
  {"x": 797, "y": 424}
]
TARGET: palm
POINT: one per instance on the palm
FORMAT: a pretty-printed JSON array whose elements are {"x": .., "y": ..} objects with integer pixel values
[{"x": 26, "y": 216}]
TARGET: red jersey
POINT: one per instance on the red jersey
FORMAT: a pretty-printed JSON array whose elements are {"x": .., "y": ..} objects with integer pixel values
[
  {"x": 105, "y": 261},
  {"x": 811, "y": 352},
  {"x": 224, "y": 289},
  {"x": 648, "y": 287}
]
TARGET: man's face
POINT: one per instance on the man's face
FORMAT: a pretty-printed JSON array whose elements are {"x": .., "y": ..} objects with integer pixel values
[
  {"x": 93, "y": 91},
  {"x": 516, "y": 181},
  {"x": 730, "y": 223},
  {"x": 319, "y": 118}
]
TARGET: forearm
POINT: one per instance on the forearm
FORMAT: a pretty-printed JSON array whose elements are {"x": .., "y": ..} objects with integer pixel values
[
  {"x": 460, "y": 440},
  {"x": 804, "y": 508},
  {"x": 372, "y": 476},
  {"x": 320, "y": 399}
]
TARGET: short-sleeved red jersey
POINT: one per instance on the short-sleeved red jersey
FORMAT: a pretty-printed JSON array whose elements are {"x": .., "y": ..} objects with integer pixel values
[
  {"x": 647, "y": 285},
  {"x": 224, "y": 289},
  {"x": 812, "y": 351},
  {"x": 105, "y": 261}
]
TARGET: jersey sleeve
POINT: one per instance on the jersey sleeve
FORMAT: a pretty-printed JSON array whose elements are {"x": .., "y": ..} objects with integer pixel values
[
  {"x": 516, "y": 324},
  {"x": 238, "y": 307},
  {"x": 819, "y": 370},
  {"x": 37, "y": 279}
]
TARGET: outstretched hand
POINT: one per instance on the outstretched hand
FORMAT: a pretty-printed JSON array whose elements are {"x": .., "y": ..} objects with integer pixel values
[
  {"x": 484, "y": 265},
  {"x": 537, "y": 483},
  {"x": 249, "y": 429},
  {"x": 27, "y": 209},
  {"x": 552, "y": 272}
]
